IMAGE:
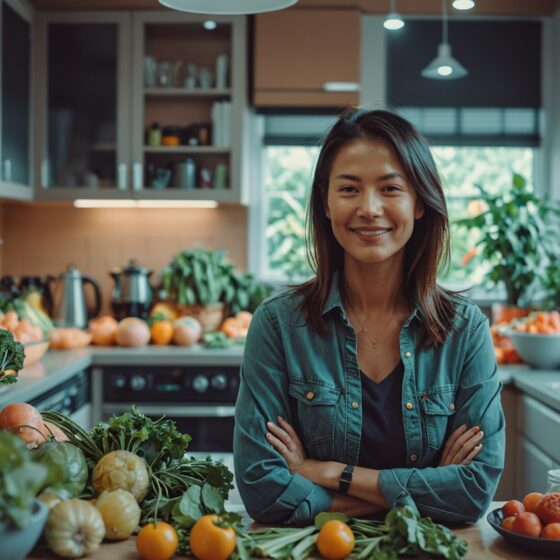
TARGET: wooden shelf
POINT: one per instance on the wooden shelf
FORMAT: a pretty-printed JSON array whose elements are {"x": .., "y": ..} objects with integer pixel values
[
  {"x": 184, "y": 92},
  {"x": 186, "y": 150}
]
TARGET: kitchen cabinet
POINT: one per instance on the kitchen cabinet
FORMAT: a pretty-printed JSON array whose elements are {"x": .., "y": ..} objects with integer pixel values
[
  {"x": 15, "y": 93},
  {"x": 538, "y": 445},
  {"x": 107, "y": 77},
  {"x": 189, "y": 83},
  {"x": 83, "y": 138},
  {"x": 306, "y": 58}
]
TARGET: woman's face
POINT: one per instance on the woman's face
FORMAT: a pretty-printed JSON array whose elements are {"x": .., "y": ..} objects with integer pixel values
[{"x": 370, "y": 202}]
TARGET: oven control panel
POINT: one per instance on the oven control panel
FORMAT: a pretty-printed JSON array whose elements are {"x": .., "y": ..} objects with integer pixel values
[{"x": 179, "y": 384}]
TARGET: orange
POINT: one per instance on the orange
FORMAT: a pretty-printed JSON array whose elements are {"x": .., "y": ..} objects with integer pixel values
[
  {"x": 507, "y": 523},
  {"x": 162, "y": 332},
  {"x": 232, "y": 327},
  {"x": 157, "y": 541},
  {"x": 530, "y": 501},
  {"x": 209, "y": 541},
  {"x": 335, "y": 540}
]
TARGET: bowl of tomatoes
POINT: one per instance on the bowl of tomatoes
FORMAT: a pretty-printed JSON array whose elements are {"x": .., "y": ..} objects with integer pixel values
[
  {"x": 533, "y": 524},
  {"x": 536, "y": 338}
]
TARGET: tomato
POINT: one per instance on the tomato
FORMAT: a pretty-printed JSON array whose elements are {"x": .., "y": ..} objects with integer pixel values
[
  {"x": 548, "y": 508},
  {"x": 157, "y": 541},
  {"x": 513, "y": 507},
  {"x": 527, "y": 523},
  {"x": 209, "y": 541},
  {"x": 507, "y": 523},
  {"x": 530, "y": 501},
  {"x": 335, "y": 540},
  {"x": 551, "y": 531}
]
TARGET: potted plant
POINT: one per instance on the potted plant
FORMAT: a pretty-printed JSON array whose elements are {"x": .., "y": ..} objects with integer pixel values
[
  {"x": 518, "y": 239},
  {"x": 22, "y": 515},
  {"x": 11, "y": 357}
]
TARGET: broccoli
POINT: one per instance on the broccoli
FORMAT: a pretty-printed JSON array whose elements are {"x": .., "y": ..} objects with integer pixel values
[{"x": 11, "y": 356}]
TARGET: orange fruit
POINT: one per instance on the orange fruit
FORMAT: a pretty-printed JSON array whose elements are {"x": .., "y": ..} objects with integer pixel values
[
  {"x": 209, "y": 541},
  {"x": 157, "y": 541},
  {"x": 335, "y": 540},
  {"x": 530, "y": 501},
  {"x": 507, "y": 523},
  {"x": 162, "y": 332},
  {"x": 232, "y": 327}
]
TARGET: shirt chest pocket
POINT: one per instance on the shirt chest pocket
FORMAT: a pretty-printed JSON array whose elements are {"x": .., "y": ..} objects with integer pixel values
[
  {"x": 438, "y": 405},
  {"x": 316, "y": 412}
]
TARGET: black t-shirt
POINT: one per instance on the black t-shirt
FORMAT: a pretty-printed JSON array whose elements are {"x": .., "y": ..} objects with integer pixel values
[{"x": 382, "y": 445}]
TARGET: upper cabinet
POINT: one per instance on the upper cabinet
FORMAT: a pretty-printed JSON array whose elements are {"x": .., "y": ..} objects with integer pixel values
[
  {"x": 141, "y": 105},
  {"x": 15, "y": 94},
  {"x": 306, "y": 58},
  {"x": 83, "y": 124}
]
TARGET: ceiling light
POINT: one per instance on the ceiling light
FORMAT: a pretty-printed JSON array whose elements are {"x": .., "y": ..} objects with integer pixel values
[
  {"x": 393, "y": 20},
  {"x": 210, "y": 24},
  {"x": 444, "y": 66},
  {"x": 463, "y": 4},
  {"x": 227, "y": 7},
  {"x": 116, "y": 203}
]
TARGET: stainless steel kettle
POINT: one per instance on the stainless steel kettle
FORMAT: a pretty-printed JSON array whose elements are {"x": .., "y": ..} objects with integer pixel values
[
  {"x": 132, "y": 292},
  {"x": 69, "y": 299}
]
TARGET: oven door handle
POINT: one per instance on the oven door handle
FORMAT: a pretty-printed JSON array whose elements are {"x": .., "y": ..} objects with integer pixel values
[{"x": 212, "y": 411}]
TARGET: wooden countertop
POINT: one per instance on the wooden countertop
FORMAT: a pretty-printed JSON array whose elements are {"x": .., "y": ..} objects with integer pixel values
[{"x": 484, "y": 544}]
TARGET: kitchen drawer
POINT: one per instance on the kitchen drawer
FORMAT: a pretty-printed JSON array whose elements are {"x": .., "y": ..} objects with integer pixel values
[
  {"x": 540, "y": 425},
  {"x": 532, "y": 468}
]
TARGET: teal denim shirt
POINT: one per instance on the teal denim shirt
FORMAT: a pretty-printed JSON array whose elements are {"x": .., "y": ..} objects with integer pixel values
[{"x": 314, "y": 382}]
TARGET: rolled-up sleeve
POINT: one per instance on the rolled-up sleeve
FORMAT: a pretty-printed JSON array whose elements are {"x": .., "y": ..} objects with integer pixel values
[
  {"x": 271, "y": 494},
  {"x": 461, "y": 493}
]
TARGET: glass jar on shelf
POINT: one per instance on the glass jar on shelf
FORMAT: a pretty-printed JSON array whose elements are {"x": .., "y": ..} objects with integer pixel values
[{"x": 553, "y": 481}]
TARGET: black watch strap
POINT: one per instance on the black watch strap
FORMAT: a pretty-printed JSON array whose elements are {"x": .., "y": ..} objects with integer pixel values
[{"x": 345, "y": 479}]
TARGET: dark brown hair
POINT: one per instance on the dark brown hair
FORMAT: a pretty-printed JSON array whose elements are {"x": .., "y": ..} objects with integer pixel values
[{"x": 427, "y": 249}]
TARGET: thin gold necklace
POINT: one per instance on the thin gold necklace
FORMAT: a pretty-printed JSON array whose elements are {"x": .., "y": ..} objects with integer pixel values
[{"x": 363, "y": 330}]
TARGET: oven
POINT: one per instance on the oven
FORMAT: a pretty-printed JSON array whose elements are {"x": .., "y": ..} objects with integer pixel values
[
  {"x": 71, "y": 397},
  {"x": 200, "y": 399}
]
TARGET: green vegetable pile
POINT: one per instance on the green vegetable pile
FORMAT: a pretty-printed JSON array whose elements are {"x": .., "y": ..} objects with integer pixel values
[
  {"x": 11, "y": 357},
  {"x": 403, "y": 534},
  {"x": 171, "y": 473}
]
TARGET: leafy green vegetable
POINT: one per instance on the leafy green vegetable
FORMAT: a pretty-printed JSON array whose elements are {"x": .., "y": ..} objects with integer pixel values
[
  {"x": 12, "y": 355},
  {"x": 219, "y": 339},
  {"x": 21, "y": 479}
]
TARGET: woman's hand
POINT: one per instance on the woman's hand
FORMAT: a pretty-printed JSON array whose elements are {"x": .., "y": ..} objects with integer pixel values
[
  {"x": 462, "y": 446},
  {"x": 285, "y": 440}
]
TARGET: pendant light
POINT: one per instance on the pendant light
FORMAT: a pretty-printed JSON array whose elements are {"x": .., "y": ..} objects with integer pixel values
[
  {"x": 393, "y": 20},
  {"x": 444, "y": 66},
  {"x": 227, "y": 7},
  {"x": 463, "y": 4}
]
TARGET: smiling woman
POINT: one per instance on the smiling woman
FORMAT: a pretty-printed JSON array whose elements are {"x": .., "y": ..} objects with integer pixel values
[{"x": 370, "y": 386}]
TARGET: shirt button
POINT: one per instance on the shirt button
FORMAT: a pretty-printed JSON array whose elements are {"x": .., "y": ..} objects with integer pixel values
[
  {"x": 355, "y": 405},
  {"x": 310, "y": 395},
  {"x": 413, "y": 457},
  {"x": 452, "y": 406},
  {"x": 407, "y": 354},
  {"x": 409, "y": 406}
]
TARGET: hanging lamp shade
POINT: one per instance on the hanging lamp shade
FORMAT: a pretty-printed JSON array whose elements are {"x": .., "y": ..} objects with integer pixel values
[
  {"x": 393, "y": 21},
  {"x": 227, "y": 7},
  {"x": 444, "y": 66}
]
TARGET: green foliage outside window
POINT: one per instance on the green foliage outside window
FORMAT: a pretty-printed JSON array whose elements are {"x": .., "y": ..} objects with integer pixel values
[{"x": 288, "y": 174}]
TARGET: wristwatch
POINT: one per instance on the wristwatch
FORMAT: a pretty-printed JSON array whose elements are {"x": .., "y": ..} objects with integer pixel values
[{"x": 345, "y": 479}]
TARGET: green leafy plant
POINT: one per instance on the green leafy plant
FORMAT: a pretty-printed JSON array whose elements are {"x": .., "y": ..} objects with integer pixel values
[
  {"x": 519, "y": 239},
  {"x": 21, "y": 479},
  {"x": 552, "y": 286},
  {"x": 12, "y": 355}
]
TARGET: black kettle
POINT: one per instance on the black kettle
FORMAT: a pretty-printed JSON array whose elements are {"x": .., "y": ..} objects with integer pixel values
[{"x": 132, "y": 292}]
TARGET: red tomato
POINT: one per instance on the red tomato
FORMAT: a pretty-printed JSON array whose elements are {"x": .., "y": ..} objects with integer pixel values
[
  {"x": 513, "y": 507},
  {"x": 527, "y": 523},
  {"x": 551, "y": 531},
  {"x": 507, "y": 523}
]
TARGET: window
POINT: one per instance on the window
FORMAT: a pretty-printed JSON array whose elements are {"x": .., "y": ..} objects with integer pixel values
[{"x": 287, "y": 174}]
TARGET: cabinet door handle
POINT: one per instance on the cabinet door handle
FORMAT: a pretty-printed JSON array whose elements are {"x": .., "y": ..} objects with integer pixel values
[
  {"x": 45, "y": 173},
  {"x": 7, "y": 170},
  {"x": 121, "y": 183},
  {"x": 341, "y": 87},
  {"x": 137, "y": 176}
]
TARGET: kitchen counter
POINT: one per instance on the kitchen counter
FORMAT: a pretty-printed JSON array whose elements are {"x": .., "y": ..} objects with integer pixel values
[
  {"x": 58, "y": 366},
  {"x": 484, "y": 544}
]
